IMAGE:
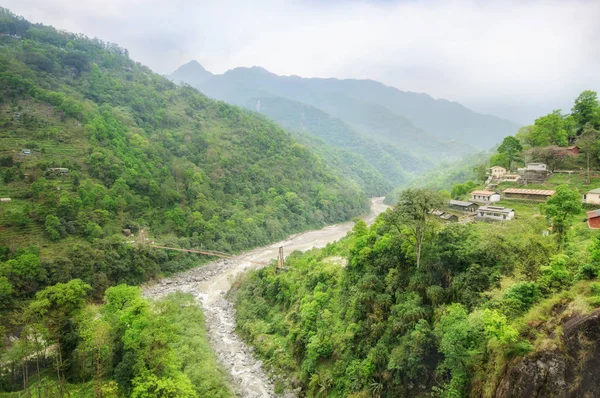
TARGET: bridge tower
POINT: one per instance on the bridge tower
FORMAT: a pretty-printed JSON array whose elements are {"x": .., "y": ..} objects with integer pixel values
[{"x": 280, "y": 259}]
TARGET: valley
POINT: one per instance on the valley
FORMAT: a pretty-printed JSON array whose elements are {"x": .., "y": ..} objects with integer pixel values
[
  {"x": 210, "y": 283},
  {"x": 256, "y": 234}
]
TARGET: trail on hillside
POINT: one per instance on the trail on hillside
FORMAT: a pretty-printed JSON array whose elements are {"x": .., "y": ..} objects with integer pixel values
[{"x": 210, "y": 283}]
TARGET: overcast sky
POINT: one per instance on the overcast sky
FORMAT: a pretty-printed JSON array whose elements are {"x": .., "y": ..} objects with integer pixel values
[{"x": 515, "y": 59}]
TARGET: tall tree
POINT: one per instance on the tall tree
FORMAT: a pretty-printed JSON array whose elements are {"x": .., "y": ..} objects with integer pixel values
[
  {"x": 512, "y": 148},
  {"x": 565, "y": 203},
  {"x": 550, "y": 130},
  {"x": 586, "y": 110},
  {"x": 411, "y": 216},
  {"x": 588, "y": 144}
]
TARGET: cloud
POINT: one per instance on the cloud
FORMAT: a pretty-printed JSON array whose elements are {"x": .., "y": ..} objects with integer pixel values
[{"x": 513, "y": 57}]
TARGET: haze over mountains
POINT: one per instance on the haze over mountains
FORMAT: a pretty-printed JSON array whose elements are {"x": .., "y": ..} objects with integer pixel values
[{"x": 397, "y": 132}]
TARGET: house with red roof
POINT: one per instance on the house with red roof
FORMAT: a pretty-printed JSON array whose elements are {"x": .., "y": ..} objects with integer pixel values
[{"x": 593, "y": 218}]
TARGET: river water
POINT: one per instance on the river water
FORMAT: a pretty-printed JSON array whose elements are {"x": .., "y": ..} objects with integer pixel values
[{"x": 209, "y": 284}]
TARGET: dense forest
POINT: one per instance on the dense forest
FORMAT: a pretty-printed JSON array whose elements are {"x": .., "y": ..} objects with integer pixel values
[
  {"x": 95, "y": 148},
  {"x": 99, "y": 155},
  {"x": 381, "y": 125},
  {"x": 414, "y": 306}
]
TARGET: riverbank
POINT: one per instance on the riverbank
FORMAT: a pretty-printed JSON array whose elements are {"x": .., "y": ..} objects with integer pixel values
[{"x": 209, "y": 284}]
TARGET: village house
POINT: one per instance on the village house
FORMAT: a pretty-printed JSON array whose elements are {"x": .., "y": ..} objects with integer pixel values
[
  {"x": 592, "y": 197},
  {"x": 593, "y": 219},
  {"x": 511, "y": 177},
  {"x": 5, "y": 200},
  {"x": 495, "y": 213},
  {"x": 468, "y": 207},
  {"x": 444, "y": 216},
  {"x": 485, "y": 196},
  {"x": 536, "y": 167},
  {"x": 573, "y": 150},
  {"x": 497, "y": 172},
  {"x": 449, "y": 217},
  {"x": 528, "y": 194}
]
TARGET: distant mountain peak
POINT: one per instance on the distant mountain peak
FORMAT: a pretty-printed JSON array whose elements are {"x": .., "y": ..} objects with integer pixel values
[{"x": 192, "y": 73}]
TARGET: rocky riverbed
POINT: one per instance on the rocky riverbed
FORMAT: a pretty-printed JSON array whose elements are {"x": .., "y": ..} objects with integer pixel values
[{"x": 209, "y": 284}]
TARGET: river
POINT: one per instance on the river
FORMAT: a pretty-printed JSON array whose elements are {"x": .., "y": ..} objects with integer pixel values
[{"x": 209, "y": 284}]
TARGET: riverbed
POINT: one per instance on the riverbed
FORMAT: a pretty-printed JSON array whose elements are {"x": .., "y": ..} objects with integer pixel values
[{"x": 209, "y": 284}]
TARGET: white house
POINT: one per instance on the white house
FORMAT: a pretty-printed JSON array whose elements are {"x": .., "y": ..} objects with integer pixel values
[
  {"x": 592, "y": 197},
  {"x": 5, "y": 200},
  {"x": 511, "y": 177},
  {"x": 485, "y": 196},
  {"x": 497, "y": 172},
  {"x": 536, "y": 167},
  {"x": 495, "y": 213}
]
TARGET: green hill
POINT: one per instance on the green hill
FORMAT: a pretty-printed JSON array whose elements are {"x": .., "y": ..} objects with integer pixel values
[
  {"x": 142, "y": 152},
  {"x": 481, "y": 308},
  {"x": 436, "y": 129}
]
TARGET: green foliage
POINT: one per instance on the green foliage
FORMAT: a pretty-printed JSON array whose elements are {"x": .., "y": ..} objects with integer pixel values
[
  {"x": 565, "y": 203},
  {"x": 555, "y": 276},
  {"x": 382, "y": 324},
  {"x": 460, "y": 190},
  {"x": 411, "y": 216},
  {"x": 586, "y": 110},
  {"x": 519, "y": 297},
  {"x": 552, "y": 129},
  {"x": 511, "y": 149}
]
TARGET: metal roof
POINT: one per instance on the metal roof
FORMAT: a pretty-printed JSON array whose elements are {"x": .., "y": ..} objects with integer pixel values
[
  {"x": 593, "y": 214},
  {"x": 483, "y": 193},
  {"x": 447, "y": 216},
  {"x": 545, "y": 192},
  {"x": 597, "y": 190},
  {"x": 460, "y": 203},
  {"x": 496, "y": 209}
]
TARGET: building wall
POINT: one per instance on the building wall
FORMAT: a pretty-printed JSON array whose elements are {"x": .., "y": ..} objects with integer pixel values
[
  {"x": 498, "y": 172},
  {"x": 496, "y": 216},
  {"x": 486, "y": 199},
  {"x": 540, "y": 198},
  {"x": 537, "y": 167},
  {"x": 592, "y": 198}
]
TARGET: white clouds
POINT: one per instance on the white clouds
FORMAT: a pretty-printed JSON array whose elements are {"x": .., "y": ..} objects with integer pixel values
[{"x": 480, "y": 52}]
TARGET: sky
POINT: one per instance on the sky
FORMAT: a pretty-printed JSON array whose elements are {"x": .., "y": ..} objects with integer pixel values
[{"x": 515, "y": 59}]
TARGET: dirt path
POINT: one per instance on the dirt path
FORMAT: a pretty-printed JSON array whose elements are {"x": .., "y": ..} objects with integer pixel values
[{"x": 209, "y": 284}]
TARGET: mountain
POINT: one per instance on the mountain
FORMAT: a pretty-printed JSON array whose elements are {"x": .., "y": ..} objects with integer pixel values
[
  {"x": 191, "y": 73},
  {"x": 394, "y": 111},
  {"x": 392, "y": 164},
  {"x": 93, "y": 143},
  {"x": 415, "y": 130},
  {"x": 444, "y": 120}
]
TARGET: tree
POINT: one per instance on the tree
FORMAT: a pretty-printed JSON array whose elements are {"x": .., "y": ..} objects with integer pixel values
[
  {"x": 411, "y": 216},
  {"x": 552, "y": 155},
  {"x": 588, "y": 144},
  {"x": 54, "y": 308},
  {"x": 563, "y": 204},
  {"x": 512, "y": 148},
  {"x": 524, "y": 135},
  {"x": 53, "y": 227},
  {"x": 586, "y": 110},
  {"x": 550, "y": 130}
]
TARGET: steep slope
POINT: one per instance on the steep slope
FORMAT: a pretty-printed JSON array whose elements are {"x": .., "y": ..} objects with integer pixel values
[
  {"x": 141, "y": 152},
  {"x": 444, "y": 120},
  {"x": 392, "y": 164},
  {"x": 191, "y": 73}
]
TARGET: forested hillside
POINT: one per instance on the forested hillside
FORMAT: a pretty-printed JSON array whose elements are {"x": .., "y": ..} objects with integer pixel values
[
  {"x": 95, "y": 147},
  {"x": 388, "y": 140},
  {"x": 417, "y": 306},
  {"x": 437, "y": 129}
]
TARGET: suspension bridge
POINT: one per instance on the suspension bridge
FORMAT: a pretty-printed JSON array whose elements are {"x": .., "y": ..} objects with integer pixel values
[{"x": 144, "y": 240}]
